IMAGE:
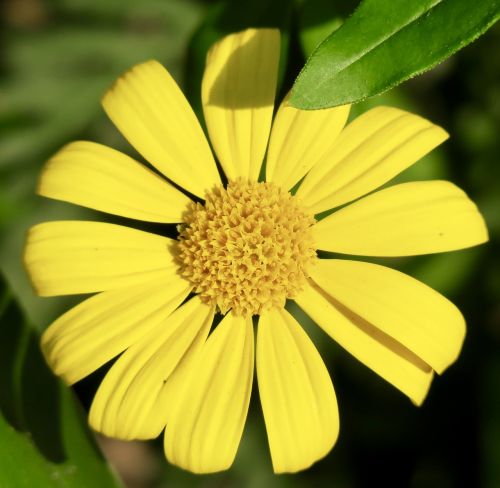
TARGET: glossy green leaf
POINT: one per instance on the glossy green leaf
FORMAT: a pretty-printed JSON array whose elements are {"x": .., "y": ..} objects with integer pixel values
[
  {"x": 386, "y": 42},
  {"x": 44, "y": 438}
]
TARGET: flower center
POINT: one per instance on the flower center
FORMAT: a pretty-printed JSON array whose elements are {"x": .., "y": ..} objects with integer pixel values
[{"x": 248, "y": 248}]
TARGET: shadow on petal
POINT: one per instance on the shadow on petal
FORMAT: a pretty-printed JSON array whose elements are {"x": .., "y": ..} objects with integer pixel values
[
  {"x": 375, "y": 333},
  {"x": 242, "y": 70}
]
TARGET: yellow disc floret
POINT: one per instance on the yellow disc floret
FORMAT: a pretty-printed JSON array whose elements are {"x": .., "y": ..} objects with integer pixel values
[{"x": 248, "y": 248}]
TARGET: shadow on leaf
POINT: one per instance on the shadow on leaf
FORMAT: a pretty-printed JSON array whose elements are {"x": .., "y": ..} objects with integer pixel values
[{"x": 30, "y": 396}]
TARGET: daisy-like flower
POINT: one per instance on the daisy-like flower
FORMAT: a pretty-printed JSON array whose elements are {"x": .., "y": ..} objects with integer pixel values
[{"x": 242, "y": 252}]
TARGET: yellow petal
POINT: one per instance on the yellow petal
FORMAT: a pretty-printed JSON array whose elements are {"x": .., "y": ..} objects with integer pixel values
[
  {"x": 404, "y": 220},
  {"x": 238, "y": 91},
  {"x": 380, "y": 352},
  {"x": 134, "y": 398},
  {"x": 101, "y": 327},
  {"x": 150, "y": 110},
  {"x": 300, "y": 139},
  {"x": 369, "y": 152},
  {"x": 298, "y": 400},
  {"x": 101, "y": 178},
  {"x": 405, "y": 309},
  {"x": 69, "y": 257},
  {"x": 205, "y": 426}
]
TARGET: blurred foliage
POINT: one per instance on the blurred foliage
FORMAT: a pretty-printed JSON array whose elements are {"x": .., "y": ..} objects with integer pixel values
[{"x": 56, "y": 60}]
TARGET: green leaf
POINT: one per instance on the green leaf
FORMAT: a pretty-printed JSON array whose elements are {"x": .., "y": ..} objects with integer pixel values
[
  {"x": 44, "y": 439},
  {"x": 386, "y": 42}
]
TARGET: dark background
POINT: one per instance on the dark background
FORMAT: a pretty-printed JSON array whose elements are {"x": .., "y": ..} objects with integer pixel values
[{"x": 56, "y": 60}]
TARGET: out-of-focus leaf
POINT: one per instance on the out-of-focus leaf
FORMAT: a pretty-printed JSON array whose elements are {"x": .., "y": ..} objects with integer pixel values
[
  {"x": 448, "y": 273},
  {"x": 318, "y": 19},
  {"x": 44, "y": 439},
  {"x": 386, "y": 42},
  {"x": 171, "y": 14}
]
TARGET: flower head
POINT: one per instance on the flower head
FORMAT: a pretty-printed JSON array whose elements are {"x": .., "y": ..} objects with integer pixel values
[
  {"x": 248, "y": 248},
  {"x": 244, "y": 247}
]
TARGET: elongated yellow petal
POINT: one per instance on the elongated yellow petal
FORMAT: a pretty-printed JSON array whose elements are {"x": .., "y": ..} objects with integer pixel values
[
  {"x": 205, "y": 426},
  {"x": 404, "y": 220},
  {"x": 101, "y": 178},
  {"x": 380, "y": 352},
  {"x": 150, "y": 110},
  {"x": 101, "y": 327},
  {"x": 405, "y": 309},
  {"x": 300, "y": 139},
  {"x": 369, "y": 152},
  {"x": 69, "y": 257},
  {"x": 133, "y": 401},
  {"x": 238, "y": 91},
  {"x": 298, "y": 400}
]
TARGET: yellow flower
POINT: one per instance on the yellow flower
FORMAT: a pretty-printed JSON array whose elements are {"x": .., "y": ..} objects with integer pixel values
[{"x": 242, "y": 252}]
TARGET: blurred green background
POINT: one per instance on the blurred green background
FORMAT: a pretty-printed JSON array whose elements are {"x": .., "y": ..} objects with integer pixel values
[{"x": 56, "y": 60}]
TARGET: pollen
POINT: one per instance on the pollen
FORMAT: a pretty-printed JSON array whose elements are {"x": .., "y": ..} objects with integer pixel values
[{"x": 248, "y": 248}]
